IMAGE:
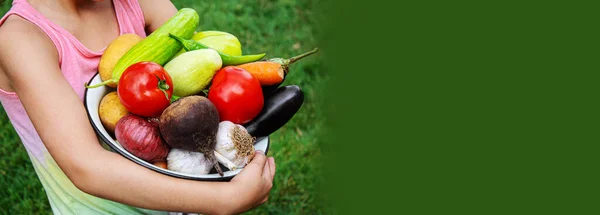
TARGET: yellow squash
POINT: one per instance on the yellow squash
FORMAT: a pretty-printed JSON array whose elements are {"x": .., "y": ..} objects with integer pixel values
[{"x": 115, "y": 50}]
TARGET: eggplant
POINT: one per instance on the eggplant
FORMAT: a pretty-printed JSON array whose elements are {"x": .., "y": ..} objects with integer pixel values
[
  {"x": 278, "y": 109},
  {"x": 268, "y": 90}
]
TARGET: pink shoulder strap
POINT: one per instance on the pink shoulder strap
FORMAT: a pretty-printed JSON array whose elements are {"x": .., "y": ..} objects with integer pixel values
[{"x": 131, "y": 8}]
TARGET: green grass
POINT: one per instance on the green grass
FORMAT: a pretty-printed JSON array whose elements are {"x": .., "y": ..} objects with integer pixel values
[{"x": 282, "y": 28}]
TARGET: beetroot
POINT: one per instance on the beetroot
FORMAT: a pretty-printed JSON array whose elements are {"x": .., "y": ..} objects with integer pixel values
[
  {"x": 141, "y": 138},
  {"x": 191, "y": 124}
]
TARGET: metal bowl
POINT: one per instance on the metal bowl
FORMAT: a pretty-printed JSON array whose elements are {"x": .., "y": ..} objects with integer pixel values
[{"x": 92, "y": 98}]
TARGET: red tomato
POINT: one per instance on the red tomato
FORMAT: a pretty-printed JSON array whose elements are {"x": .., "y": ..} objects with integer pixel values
[
  {"x": 145, "y": 89},
  {"x": 236, "y": 94}
]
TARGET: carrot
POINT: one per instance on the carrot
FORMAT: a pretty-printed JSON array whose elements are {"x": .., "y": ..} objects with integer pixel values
[
  {"x": 268, "y": 73},
  {"x": 273, "y": 71}
]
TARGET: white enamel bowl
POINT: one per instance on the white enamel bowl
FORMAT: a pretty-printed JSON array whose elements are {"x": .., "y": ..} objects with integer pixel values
[{"x": 92, "y": 100}]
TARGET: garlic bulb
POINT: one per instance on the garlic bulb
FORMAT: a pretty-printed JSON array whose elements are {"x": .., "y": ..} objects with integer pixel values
[
  {"x": 235, "y": 147},
  {"x": 193, "y": 163}
]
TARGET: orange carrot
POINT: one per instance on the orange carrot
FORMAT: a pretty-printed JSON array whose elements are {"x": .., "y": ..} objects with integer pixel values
[
  {"x": 268, "y": 73},
  {"x": 273, "y": 71}
]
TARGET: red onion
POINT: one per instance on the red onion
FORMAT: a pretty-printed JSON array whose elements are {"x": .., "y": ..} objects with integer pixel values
[{"x": 141, "y": 138}]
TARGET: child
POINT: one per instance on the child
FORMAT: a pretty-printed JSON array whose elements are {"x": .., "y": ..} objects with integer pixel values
[{"x": 49, "y": 49}]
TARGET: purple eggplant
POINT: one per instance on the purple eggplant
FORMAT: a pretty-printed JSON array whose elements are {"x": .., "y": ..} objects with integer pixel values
[{"x": 279, "y": 107}]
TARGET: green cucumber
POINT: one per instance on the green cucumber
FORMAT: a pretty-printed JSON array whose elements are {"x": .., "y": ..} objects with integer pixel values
[{"x": 158, "y": 47}]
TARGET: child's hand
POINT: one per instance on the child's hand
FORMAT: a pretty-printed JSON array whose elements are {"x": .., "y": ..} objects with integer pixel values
[{"x": 252, "y": 185}]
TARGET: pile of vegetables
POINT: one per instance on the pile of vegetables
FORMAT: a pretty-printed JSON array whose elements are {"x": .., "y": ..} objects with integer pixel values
[{"x": 190, "y": 101}]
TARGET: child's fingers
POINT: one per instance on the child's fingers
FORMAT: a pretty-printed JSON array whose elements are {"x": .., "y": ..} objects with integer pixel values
[
  {"x": 271, "y": 162},
  {"x": 257, "y": 163},
  {"x": 267, "y": 171}
]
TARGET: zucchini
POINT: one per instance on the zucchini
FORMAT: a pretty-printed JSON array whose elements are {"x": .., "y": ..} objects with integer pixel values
[{"x": 158, "y": 47}]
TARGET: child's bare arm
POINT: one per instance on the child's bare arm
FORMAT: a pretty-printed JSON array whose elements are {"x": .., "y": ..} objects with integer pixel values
[
  {"x": 29, "y": 60},
  {"x": 156, "y": 13}
]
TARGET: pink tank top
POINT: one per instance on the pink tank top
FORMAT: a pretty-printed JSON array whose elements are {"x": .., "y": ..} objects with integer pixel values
[{"x": 78, "y": 65}]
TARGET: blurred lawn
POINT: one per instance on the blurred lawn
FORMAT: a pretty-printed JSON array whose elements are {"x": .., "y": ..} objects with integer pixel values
[{"x": 282, "y": 28}]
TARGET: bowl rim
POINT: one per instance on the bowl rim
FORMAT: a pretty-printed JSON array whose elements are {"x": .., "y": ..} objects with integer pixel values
[{"x": 147, "y": 165}]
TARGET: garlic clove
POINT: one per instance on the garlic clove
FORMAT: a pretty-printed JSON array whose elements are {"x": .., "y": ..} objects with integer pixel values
[{"x": 231, "y": 138}]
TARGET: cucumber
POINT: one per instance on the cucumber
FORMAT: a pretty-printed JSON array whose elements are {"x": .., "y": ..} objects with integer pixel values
[{"x": 158, "y": 47}]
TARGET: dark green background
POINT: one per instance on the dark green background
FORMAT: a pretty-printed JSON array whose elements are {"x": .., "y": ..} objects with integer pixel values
[{"x": 463, "y": 107}]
